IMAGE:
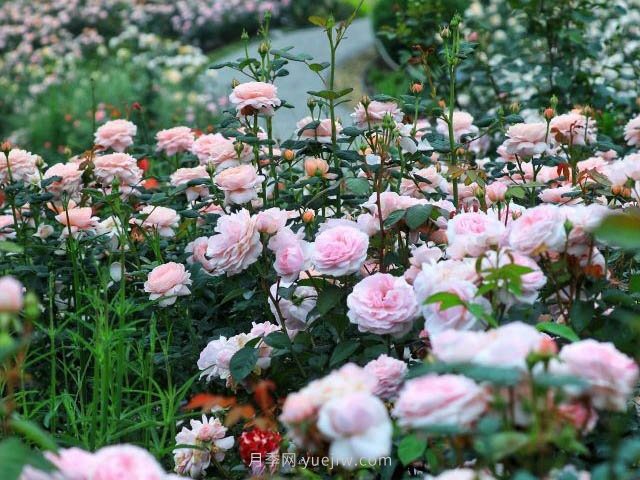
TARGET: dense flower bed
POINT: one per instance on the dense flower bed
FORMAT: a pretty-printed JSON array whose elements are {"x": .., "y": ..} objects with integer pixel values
[{"x": 414, "y": 292}]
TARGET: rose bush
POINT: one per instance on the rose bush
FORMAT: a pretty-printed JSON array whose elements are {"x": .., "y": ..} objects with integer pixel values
[{"x": 393, "y": 298}]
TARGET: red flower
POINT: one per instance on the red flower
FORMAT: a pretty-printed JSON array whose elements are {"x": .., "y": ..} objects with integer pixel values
[
  {"x": 144, "y": 164},
  {"x": 262, "y": 444}
]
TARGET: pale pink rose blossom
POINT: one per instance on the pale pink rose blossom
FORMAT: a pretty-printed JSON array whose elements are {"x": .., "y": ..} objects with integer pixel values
[
  {"x": 389, "y": 374},
  {"x": 427, "y": 253},
  {"x": 321, "y": 133},
  {"x": 174, "y": 140},
  {"x": 537, "y": 230},
  {"x": 375, "y": 113},
  {"x": 526, "y": 139},
  {"x": 272, "y": 220},
  {"x": 219, "y": 151},
  {"x": 560, "y": 195},
  {"x": 77, "y": 220},
  {"x": 495, "y": 192},
  {"x": 439, "y": 400},
  {"x": 582, "y": 417},
  {"x": 18, "y": 166},
  {"x": 340, "y": 251},
  {"x": 6, "y": 230},
  {"x": 620, "y": 172},
  {"x": 424, "y": 181},
  {"x": 162, "y": 220},
  {"x": 509, "y": 346},
  {"x": 126, "y": 461},
  {"x": 295, "y": 310},
  {"x": 215, "y": 357},
  {"x": 167, "y": 282},
  {"x": 461, "y": 474},
  {"x": 358, "y": 427},
  {"x": 70, "y": 182},
  {"x": 472, "y": 234},
  {"x": 70, "y": 463},
  {"x": 573, "y": 129},
  {"x": 209, "y": 436},
  {"x": 239, "y": 184},
  {"x": 458, "y": 346},
  {"x": 198, "y": 251},
  {"x": 185, "y": 175},
  {"x": 611, "y": 375},
  {"x": 293, "y": 254},
  {"x": 382, "y": 304},
  {"x": 11, "y": 295},
  {"x": 121, "y": 166},
  {"x": 236, "y": 244},
  {"x": 255, "y": 97},
  {"x": 632, "y": 132},
  {"x": 462, "y": 126},
  {"x": 116, "y": 135}
]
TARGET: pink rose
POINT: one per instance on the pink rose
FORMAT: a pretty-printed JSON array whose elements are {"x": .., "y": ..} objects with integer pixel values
[
  {"x": 6, "y": 232},
  {"x": 185, "y": 175},
  {"x": 11, "y": 295},
  {"x": 236, "y": 245},
  {"x": 70, "y": 181},
  {"x": 560, "y": 195},
  {"x": 611, "y": 376},
  {"x": 526, "y": 139},
  {"x": 162, "y": 220},
  {"x": 389, "y": 374},
  {"x": 462, "y": 126},
  {"x": 292, "y": 254},
  {"x": 424, "y": 181},
  {"x": 294, "y": 311},
  {"x": 219, "y": 151},
  {"x": 174, "y": 140},
  {"x": 168, "y": 282},
  {"x": 472, "y": 234},
  {"x": 382, "y": 304},
  {"x": 116, "y": 135},
  {"x": 495, "y": 192},
  {"x": 272, "y": 220},
  {"x": 620, "y": 172},
  {"x": 509, "y": 346},
  {"x": 198, "y": 251},
  {"x": 632, "y": 132},
  {"x": 582, "y": 417},
  {"x": 375, "y": 113},
  {"x": 573, "y": 129},
  {"x": 426, "y": 253},
  {"x": 70, "y": 463},
  {"x": 322, "y": 133},
  {"x": 538, "y": 230},
  {"x": 77, "y": 219},
  {"x": 458, "y": 346},
  {"x": 117, "y": 165},
  {"x": 22, "y": 164},
  {"x": 437, "y": 400},
  {"x": 297, "y": 408},
  {"x": 358, "y": 427},
  {"x": 120, "y": 462},
  {"x": 239, "y": 184},
  {"x": 255, "y": 97},
  {"x": 461, "y": 474},
  {"x": 340, "y": 251}
]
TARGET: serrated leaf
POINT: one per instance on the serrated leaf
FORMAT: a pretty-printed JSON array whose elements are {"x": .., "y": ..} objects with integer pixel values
[
  {"x": 243, "y": 362},
  {"x": 417, "y": 215},
  {"x": 343, "y": 351}
]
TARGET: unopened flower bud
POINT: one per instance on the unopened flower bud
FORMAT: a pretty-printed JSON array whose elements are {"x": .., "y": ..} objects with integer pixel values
[
  {"x": 308, "y": 216},
  {"x": 553, "y": 101},
  {"x": 445, "y": 32},
  {"x": 235, "y": 82},
  {"x": 365, "y": 101},
  {"x": 6, "y": 146},
  {"x": 460, "y": 151},
  {"x": 442, "y": 104},
  {"x": 316, "y": 167},
  {"x": 263, "y": 49},
  {"x": 514, "y": 107},
  {"x": 416, "y": 88},
  {"x": 549, "y": 113},
  {"x": 616, "y": 189},
  {"x": 288, "y": 155}
]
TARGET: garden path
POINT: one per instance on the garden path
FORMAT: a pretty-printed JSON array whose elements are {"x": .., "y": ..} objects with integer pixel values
[{"x": 358, "y": 41}]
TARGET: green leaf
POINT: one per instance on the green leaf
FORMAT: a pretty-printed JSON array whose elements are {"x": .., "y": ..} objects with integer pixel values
[
  {"x": 328, "y": 298},
  {"x": 15, "y": 455},
  {"x": 446, "y": 299},
  {"x": 621, "y": 230},
  {"x": 417, "y": 215},
  {"x": 357, "y": 185},
  {"x": 393, "y": 218},
  {"x": 343, "y": 351},
  {"x": 559, "y": 330},
  {"x": 500, "y": 445},
  {"x": 10, "y": 247},
  {"x": 410, "y": 449},
  {"x": 278, "y": 340},
  {"x": 318, "y": 21},
  {"x": 243, "y": 362},
  {"x": 33, "y": 433}
]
